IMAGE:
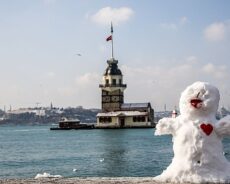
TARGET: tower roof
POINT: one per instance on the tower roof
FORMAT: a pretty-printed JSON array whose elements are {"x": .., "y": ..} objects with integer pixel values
[{"x": 112, "y": 68}]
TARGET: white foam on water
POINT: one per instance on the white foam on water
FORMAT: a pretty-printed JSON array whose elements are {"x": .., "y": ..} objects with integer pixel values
[
  {"x": 47, "y": 175},
  {"x": 28, "y": 130},
  {"x": 102, "y": 160},
  {"x": 197, "y": 138}
]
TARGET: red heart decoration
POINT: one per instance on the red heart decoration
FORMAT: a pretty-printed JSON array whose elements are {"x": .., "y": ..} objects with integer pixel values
[{"x": 207, "y": 128}]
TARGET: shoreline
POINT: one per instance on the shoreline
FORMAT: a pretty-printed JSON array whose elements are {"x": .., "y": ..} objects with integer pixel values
[
  {"x": 88, "y": 180},
  {"x": 83, "y": 180}
]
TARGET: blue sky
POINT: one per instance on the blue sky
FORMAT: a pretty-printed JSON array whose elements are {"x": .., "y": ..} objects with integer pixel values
[{"x": 162, "y": 46}]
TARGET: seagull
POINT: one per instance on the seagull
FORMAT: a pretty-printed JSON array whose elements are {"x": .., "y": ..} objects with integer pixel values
[
  {"x": 74, "y": 170},
  {"x": 78, "y": 54}
]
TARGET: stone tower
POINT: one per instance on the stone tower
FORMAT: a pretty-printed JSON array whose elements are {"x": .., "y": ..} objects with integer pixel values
[{"x": 112, "y": 87}]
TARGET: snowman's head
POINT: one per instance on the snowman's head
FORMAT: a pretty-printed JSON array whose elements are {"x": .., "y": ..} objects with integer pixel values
[{"x": 199, "y": 99}]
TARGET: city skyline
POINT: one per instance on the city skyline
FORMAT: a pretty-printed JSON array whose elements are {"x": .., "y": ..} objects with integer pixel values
[{"x": 56, "y": 51}]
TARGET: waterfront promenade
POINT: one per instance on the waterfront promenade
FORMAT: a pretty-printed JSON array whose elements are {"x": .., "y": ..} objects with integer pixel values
[{"x": 89, "y": 180}]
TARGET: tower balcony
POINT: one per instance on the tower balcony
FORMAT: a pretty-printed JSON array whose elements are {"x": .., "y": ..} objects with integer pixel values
[{"x": 113, "y": 85}]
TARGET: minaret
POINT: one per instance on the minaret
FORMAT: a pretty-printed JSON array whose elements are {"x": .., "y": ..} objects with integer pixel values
[{"x": 112, "y": 87}]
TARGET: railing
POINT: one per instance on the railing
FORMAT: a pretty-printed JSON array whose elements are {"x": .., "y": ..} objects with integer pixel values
[{"x": 113, "y": 85}]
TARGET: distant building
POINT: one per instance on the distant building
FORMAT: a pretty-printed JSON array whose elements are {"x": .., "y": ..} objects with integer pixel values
[
  {"x": 115, "y": 113},
  {"x": 37, "y": 112}
]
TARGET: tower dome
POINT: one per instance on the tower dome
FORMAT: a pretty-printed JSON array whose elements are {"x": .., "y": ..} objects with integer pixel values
[{"x": 112, "y": 68}]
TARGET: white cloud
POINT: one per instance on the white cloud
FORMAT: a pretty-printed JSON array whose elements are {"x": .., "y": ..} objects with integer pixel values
[
  {"x": 163, "y": 85},
  {"x": 88, "y": 79},
  {"x": 169, "y": 26},
  {"x": 87, "y": 89},
  {"x": 83, "y": 91},
  {"x": 66, "y": 91},
  {"x": 219, "y": 72},
  {"x": 117, "y": 15},
  {"x": 175, "y": 25},
  {"x": 156, "y": 84},
  {"x": 183, "y": 20},
  {"x": 215, "y": 32},
  {"x": 191, "y": 59},
  {"x": 102, "y": 48},
  {"x": 51, "y": 74}
]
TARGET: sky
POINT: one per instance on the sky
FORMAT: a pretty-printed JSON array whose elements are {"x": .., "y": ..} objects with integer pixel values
[{"x": 56, "y": 50}]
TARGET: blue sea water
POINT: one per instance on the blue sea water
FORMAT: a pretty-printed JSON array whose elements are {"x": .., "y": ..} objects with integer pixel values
[{"x": 28, "y": 150}]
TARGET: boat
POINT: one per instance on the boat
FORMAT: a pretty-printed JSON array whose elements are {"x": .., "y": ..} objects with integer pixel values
[{"x": 69, "y": 124}]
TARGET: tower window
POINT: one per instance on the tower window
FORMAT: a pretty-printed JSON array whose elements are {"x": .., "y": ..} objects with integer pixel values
[
  {"x": 107, "y": 81},
  {"x": 114, "y": 81},
  {"x": 120, "y": 82}
]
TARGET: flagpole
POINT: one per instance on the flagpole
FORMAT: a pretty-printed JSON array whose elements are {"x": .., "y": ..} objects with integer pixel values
[{"x": 112, "y": 38}]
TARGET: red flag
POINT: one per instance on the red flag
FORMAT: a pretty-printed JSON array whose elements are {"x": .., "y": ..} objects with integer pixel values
[{"x": 109, "y": 38}]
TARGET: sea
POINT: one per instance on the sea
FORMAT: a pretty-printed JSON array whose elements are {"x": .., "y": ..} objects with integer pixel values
[{"x": 26, "y": 151}]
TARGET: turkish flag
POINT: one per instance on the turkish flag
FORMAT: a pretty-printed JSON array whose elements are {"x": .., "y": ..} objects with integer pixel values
[{"x": 109, "y": 38}]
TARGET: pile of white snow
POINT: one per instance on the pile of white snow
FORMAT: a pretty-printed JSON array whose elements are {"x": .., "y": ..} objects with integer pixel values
[
  {"x": 197, "y": 138},
  {"x": 47, "y": 175}
]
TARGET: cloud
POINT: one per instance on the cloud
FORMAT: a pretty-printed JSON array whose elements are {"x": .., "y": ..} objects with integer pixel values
[
  {"x": 218, "y": 31},
  {"x": 174, "y": 25},
  {"x": 191, "y": 59},
  {"x": 83, "y": 91},
  {"x": 183, "y": 20},
  {"x": 117, "y": 15},
  {"x": 66, "y": 91},
  {"x": 163, "y": 85},
  {"x": 215, "y": 32},
  {"x": 87, "y": 80},
  {"x": 51, "y": 74},
  {"x": 219, "y": 72},
  {"x": 157, "y": 84},
  {"x": 169, "y": 26},
  {"x": 102, "y": 48}
]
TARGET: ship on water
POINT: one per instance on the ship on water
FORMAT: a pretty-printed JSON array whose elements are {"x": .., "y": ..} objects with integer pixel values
[{"x": 69, "y": 124}]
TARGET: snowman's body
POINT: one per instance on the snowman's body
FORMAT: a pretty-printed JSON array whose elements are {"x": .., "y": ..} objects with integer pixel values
[{"x": 197, "y": 138}]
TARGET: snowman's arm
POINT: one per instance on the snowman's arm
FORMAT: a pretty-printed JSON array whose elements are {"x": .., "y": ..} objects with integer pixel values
[
  {"x": 222, "y": 127},
  {"x": 165, "y": 126}
]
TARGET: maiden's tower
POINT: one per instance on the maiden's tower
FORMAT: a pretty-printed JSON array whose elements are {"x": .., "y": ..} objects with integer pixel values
[{"x": 115, "y": 113}]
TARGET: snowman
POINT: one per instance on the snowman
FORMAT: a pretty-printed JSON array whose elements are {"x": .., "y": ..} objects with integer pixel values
[{"x": 197, "y": 138}]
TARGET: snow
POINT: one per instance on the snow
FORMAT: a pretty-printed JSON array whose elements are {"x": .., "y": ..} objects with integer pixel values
[
  {"x": 47, "y": 175},
  {"x": 197, "y": 138}
]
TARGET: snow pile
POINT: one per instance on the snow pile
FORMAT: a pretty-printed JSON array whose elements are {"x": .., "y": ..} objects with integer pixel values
[
  {"x": 197, "y": 138},
  {"x": 47, "y": 175}
]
